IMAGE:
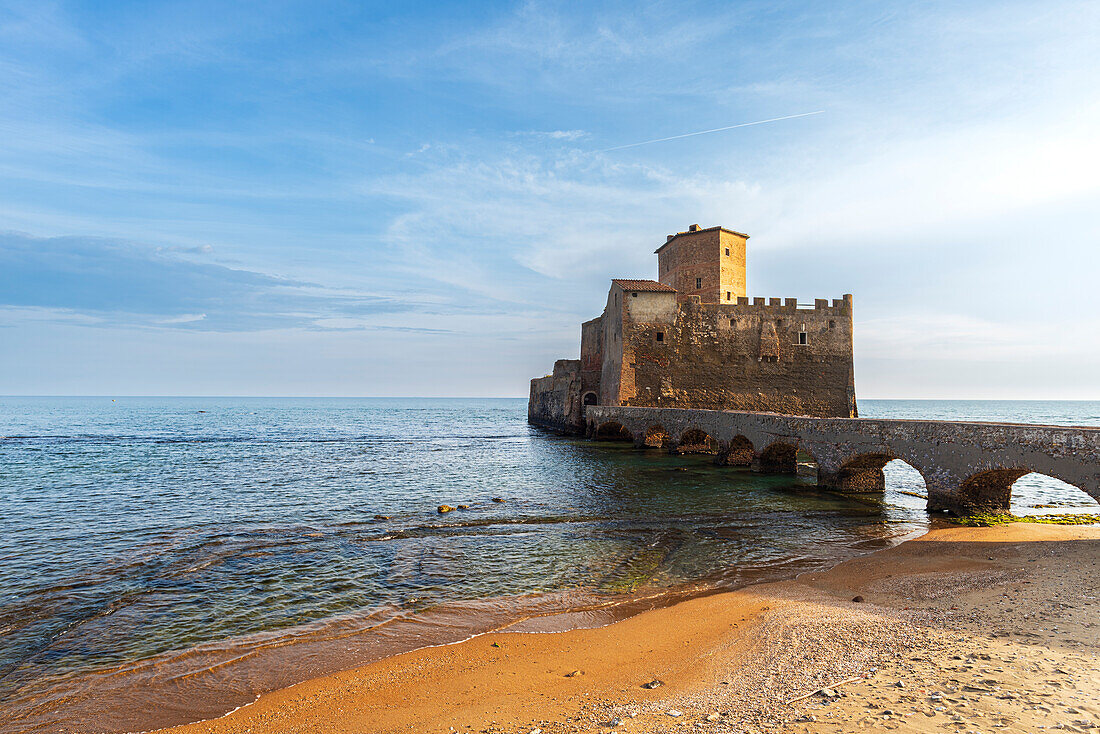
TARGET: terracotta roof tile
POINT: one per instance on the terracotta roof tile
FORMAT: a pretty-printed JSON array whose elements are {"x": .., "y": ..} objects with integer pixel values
[{"x": 650, "y": 286}]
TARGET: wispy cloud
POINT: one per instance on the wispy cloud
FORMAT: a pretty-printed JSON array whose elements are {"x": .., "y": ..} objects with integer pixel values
[{"x": 125, "y": 283}]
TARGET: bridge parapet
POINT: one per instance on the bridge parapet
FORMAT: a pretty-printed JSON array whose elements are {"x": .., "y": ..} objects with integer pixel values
[{"x": 967, "y": 466}]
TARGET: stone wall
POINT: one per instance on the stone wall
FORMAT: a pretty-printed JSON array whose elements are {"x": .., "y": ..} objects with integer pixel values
[
  {"x": 766, "y": 356},
  {"x": 555, "y": 400},
  {"x": 591, "y": 357}
]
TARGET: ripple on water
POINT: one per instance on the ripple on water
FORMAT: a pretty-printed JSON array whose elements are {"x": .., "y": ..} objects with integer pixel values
[{"x": 164, "y": 559}]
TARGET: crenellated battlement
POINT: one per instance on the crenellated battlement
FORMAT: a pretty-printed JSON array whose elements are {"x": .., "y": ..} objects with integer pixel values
[{"x": 789, "y": 305}]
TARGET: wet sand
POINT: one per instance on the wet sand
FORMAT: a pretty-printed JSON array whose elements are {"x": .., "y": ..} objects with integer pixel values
[{"x": 963, "y": 629}]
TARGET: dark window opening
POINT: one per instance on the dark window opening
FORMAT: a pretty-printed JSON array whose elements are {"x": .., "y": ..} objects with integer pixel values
[
  {"x": 698, "y": 282},
  {"x": 727, "y": 252},
  {"x": 802, "y": 336},
  {"x": 590, "y": 398},
  {"x": 728, "y": 294},
  {"x": 660, "y": 336},
  {"x": 633, "y": 295}
]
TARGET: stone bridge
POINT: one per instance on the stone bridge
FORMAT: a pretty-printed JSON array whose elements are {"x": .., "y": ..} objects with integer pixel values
[{"x": 967, "y": 466}]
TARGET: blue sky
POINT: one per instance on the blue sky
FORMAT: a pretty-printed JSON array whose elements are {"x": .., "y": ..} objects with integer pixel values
[{"x": 344, "y": 198}]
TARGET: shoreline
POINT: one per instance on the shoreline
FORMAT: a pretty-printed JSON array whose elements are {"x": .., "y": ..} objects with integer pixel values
[
  {"x": 214, "y": 679},
  {"x": 733, "y": 661}
]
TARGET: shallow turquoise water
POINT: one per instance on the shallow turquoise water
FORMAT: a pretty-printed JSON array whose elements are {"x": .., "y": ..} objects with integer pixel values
[{"x": 139, "y": 528}]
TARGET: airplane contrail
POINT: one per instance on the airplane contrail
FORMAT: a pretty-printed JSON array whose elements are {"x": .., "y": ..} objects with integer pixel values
[{"x": 715, "y": 130}]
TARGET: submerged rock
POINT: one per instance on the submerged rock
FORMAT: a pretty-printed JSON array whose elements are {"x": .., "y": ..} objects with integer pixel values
[{"x": 443, "y": 509}]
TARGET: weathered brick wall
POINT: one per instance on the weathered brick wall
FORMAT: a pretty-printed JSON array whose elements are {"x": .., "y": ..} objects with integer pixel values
[
  {"x": 738, "y": 357},
  {"x": 612, "y": 370},
  {"x": 702, "y": 255},
  {"x": 555, "y": 399},
  {"x": 591, "y": 356}
]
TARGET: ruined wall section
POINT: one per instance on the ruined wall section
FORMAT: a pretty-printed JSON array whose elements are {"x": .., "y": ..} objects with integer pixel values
[
  {"x": 612, "y": 329},
  {"x": 591, "y": 357},
  {"x": 555, "y": 400},
  {"x": 744, "y": 356}
]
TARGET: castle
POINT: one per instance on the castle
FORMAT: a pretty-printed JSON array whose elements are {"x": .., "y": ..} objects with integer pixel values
[{"x": 692, "y": 339}]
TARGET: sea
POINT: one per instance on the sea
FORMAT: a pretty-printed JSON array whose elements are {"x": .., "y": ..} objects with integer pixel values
[{"x": 165, "y": 560}]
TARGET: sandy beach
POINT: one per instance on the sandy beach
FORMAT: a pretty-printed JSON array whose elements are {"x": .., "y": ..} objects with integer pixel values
[{"x": 964, "y": 629}]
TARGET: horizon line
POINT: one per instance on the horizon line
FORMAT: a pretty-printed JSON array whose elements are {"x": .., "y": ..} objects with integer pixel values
[{"x": 479, "y": 397}]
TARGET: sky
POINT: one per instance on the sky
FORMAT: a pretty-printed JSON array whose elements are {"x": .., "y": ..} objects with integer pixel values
[{"x": 354, "y": 198}]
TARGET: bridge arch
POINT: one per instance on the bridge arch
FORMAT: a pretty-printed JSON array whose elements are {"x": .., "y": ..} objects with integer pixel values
[
  {"x": 989, "y": 490},
  {"x": 739, "y": 452},
  {"x": 992, "y": 490},
  {"x": 1045, "y": 494},
  {"x": 613, "y": 431},
  {"x": 656, "y": 437},
  {"x": 696, "y": 441},
  {"x": 779, "y": 457}
]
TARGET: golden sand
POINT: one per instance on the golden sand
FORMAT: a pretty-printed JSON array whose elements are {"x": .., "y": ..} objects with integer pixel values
[{"x": 964, "y": 629}]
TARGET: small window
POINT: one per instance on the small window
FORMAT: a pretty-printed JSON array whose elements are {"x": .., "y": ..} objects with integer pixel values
[
  {"x": 698, "y": 283},
  {"x": 802, "y": 336},
  {"x": 634, "y": 294},
  {"x": 727, "y": 252},
  {"x": 728, "y": 294},
  {"x": 660, "y": 336}
]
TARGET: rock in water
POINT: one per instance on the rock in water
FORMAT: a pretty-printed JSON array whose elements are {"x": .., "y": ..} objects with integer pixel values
[
  {"x": 498, "y": 499},
  {"x": 443, "y": 509}
]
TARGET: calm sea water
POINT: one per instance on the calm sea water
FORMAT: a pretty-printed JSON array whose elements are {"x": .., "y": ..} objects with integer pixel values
[{"x": 166, "y": 559}]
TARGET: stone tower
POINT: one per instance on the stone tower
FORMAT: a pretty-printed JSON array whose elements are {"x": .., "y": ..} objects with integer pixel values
[{"x": 709, "y": 263}]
